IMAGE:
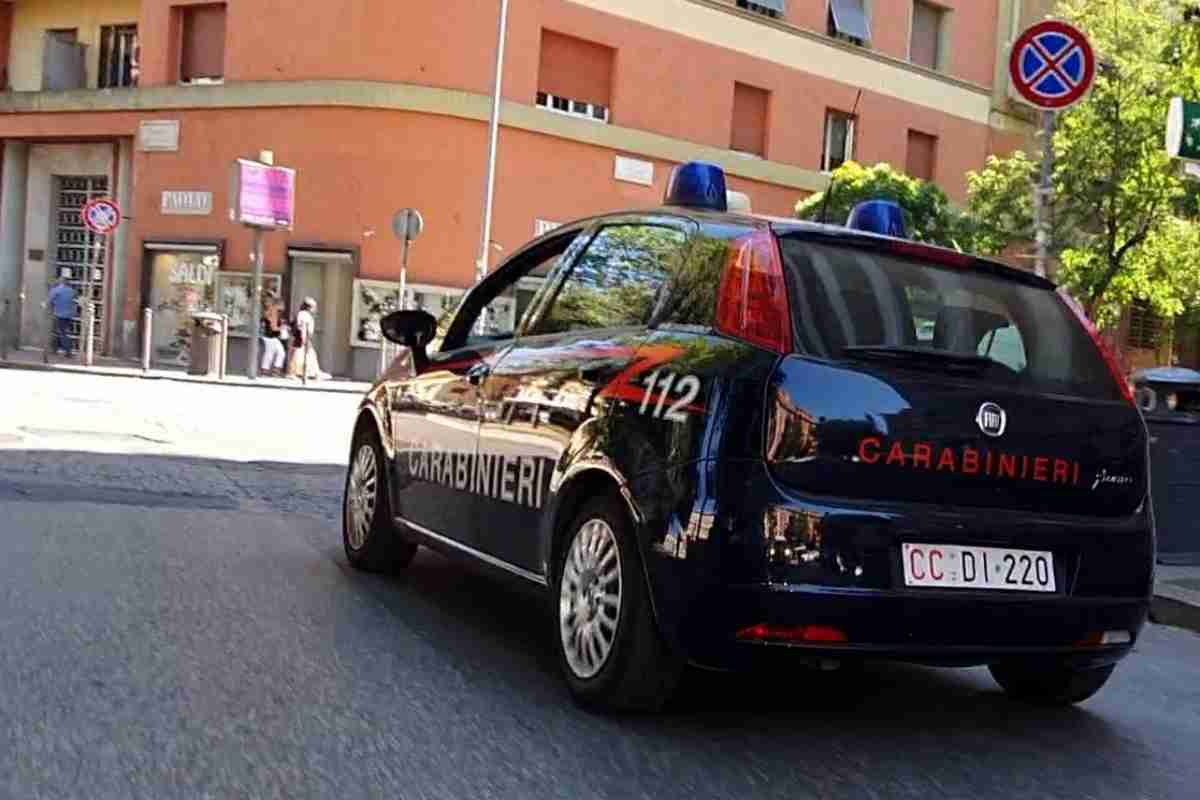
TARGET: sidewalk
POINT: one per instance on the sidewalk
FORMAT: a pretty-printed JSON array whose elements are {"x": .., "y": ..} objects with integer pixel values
[
  {"x": 31, "y": 359},
  {"x": 1177, "y": 597}
]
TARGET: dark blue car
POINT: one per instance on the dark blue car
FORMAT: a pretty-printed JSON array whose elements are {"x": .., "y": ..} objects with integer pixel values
[{"x": 715, "y": 438}]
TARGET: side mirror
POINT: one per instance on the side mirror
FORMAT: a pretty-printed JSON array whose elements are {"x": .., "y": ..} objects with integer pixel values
[{"x": 413, "y": 329}]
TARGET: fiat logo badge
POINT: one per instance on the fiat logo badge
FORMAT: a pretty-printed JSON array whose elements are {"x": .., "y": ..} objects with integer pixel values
[{"x": 991, "y": 419}]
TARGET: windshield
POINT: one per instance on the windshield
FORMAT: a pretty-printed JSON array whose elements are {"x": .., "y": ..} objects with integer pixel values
[{"x": 851, "y": 303}]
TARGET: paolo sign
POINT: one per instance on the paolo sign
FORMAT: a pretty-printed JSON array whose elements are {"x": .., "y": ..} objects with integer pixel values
[{"x": 263, "y": 196}]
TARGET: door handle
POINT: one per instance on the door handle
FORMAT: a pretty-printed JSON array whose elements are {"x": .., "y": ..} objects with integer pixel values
[{"x": 477, "y": 373}]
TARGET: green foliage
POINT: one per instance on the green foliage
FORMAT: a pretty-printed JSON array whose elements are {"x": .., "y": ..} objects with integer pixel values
[
  {"x": 1122, "y": 216},
  {"x": 927, "y": 211}
]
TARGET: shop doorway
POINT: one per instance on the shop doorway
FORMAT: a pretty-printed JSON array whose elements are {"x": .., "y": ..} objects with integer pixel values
[{"x": 326, "y": 276}]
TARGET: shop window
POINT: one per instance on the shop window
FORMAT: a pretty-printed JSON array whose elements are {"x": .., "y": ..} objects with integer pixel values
[
  {"x": 202, "y": 43},
  {"x": 848, "y": 21},
  {"x": 839, "y": 140},
  {"x": 925, "y": 42},
  {"x": 575, "y": 77},
  {"x": 749, "y": 120},
  {"x": 768, "y": 8},
  {"x": 1145, "y": 327},
  {"x": 922, "y": 155},
  {"x": 118, "y": 56}
]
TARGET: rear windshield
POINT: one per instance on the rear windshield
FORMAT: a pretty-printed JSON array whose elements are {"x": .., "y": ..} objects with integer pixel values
[{"x": 846, "y": 298}]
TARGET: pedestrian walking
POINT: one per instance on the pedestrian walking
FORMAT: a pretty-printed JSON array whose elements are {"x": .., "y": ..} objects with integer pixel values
[
  {"x": 274, "y": 356},
  {"x": 63, "y": 306},
  {"x": 303, "y": 361}
]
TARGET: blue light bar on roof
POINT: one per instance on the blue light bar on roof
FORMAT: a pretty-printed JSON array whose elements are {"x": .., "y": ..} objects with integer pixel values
[
  {"x": 878, "y": 216},
  {"x": 697, "y": 184}
]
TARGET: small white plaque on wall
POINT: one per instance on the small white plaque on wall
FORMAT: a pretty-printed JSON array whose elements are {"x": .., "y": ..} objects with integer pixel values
[
  {"x": 161, "y": 135},
  {"x": 634, "y": 170}
]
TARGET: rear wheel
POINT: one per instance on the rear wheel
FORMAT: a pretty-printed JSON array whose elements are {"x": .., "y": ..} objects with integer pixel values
[
  {"x": 1052, "y": 685},
  {"x": 369, "y": 536},
  {"x": 609, "y": 648}
]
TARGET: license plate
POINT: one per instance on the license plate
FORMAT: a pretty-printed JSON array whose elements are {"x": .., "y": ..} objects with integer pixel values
[{"x": 948, "y": 566}]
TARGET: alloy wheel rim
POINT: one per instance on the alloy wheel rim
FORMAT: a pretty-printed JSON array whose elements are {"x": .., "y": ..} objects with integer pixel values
[
  {"x": 589, "y": 606},
  {"x": 361, "y": 496}
]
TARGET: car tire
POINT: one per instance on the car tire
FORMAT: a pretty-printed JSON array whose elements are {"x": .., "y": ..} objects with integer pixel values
[
  {"x": 1050, "y": 685},
  {"x": 607, "y": 642},
  {"x": 369, "y": 536}
]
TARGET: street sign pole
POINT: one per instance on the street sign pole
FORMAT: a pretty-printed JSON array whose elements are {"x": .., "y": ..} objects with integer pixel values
[
  {"x": 256, "y": 305},
  {"x": 100, "y": 217},
  {"x": 1051, "y": 66},
  {"x": 1043, "y": 194}
]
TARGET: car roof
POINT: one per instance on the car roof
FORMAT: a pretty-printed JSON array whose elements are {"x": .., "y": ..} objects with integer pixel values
[{"x": 785, "y": 226}]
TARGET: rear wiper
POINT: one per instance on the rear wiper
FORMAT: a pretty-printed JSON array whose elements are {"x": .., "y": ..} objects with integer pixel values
[{"x": 943, "y": 358}]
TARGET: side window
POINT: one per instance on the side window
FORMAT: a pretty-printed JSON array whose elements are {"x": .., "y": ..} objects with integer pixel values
[
  {"x": 501, "y": 316},
  {"x": 616, "y": 281},
  {"x": 493, "y": 310}
]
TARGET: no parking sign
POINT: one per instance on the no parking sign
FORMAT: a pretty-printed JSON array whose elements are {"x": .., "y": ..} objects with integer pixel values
[
  {"x": 1052, "y": 65},
  {"x": 101, "y": 216}
]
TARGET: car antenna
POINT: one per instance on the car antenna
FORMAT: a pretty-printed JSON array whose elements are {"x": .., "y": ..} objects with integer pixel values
[{"x": 832, "y": 182}]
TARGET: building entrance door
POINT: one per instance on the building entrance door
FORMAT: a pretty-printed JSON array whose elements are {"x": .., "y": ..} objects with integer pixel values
[
  {"x": 76, "y": 249},
  {"x": 326, "y": 277}
]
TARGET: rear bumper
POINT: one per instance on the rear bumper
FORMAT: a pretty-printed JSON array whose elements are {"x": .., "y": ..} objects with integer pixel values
[{"x": 960, "y": 629}]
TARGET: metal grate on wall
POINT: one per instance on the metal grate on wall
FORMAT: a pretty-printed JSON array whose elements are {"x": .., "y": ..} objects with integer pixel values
[{"x": 76, "y": 248}]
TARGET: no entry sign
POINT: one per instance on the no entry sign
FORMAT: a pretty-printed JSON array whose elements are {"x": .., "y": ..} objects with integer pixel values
[
  {"x": 1052, "y": 65},
  {"x": 101, "y": 216}
]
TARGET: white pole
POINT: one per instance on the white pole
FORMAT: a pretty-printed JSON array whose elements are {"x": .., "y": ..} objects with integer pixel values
[{"x": 481, "y": 266}]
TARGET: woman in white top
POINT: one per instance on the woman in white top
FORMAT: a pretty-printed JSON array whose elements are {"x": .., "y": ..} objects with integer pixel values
[{"x": 303, "y": 357}]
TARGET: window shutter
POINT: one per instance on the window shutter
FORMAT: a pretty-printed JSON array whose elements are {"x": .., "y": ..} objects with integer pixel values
[
  {"x": 926, "y": 27},
  {"x": 749, "y": 119},
  {"x": 922, "y": 155},
  {"x": 850, "y": 19},
  {"x": 575, "y": 69},
  {"x": 203, "y": 46}
]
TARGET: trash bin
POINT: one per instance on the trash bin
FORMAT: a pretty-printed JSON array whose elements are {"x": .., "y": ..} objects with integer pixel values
[
  {"x": 1170, "y": 401},
  {"x": 208, "y": 331}
]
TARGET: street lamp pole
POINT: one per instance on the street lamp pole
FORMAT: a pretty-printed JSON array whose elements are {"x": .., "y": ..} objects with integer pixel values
[{"x": 481, "y": 265}]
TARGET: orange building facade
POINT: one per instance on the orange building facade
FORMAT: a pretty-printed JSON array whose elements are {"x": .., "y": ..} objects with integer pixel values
[{"x": 380, "y": 106}]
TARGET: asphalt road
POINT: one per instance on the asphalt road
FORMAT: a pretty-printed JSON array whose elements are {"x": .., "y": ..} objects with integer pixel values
[{"x": 188, "y": 627}]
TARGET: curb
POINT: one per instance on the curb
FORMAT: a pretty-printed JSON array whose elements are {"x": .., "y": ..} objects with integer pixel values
[
  {"x": 178, "y": 378},
  {"x": 1175, "y": 606}
]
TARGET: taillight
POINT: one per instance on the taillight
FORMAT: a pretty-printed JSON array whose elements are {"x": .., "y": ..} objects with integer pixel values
[
  {"x": 764, "y": 632},
  {"x": 753, "y": 303},
  {"x": 1109, "y": 358}
]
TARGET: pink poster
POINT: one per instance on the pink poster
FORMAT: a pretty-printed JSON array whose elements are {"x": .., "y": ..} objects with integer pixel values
[{"x": 266, "y": 195}]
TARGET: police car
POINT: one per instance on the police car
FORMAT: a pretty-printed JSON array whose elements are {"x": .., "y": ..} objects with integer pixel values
[{"x": 708, "y": 437}]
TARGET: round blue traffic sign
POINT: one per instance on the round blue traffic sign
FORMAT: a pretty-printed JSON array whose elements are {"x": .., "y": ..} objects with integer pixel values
[{"x": 1052, "y": 64}]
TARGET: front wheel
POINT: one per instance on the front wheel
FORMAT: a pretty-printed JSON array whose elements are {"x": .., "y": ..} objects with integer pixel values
[
  {"x": 369, "y": 536},
  {"x": 1051, "y": 685},
  {"x": 609, "y": 647}
]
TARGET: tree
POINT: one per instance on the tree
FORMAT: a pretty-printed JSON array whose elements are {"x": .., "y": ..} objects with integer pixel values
[
  {"x": 1117, "y": 196},
  {"x": 928, "y": 214}
]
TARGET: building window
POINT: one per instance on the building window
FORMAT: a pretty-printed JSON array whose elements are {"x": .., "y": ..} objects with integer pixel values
[
  {"x": 118, "y": 56},
  {"x": 749, "y": 120},
  {"x": 1145, "y": 327},
  {"x": 839, "y": 140},
  {"x": 575, "y": 77},
  {"x": 925, "y": 43},
  {"x": 64, "y": 60},
  {"x": 768, "y": 8},
  {"x": 848, "y": 21},
  {"x": 922, "y": 155},
  {"x": 202, "y": 43}
]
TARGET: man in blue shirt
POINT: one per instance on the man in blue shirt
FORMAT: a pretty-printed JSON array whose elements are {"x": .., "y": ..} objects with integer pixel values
[{"x": 62, "y": 305}]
